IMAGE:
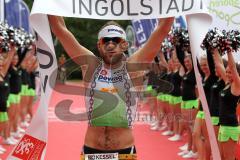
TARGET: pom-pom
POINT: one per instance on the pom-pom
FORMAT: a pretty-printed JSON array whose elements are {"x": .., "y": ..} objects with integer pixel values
[
  {"x": 222, "y": 40},
  {"x": 167, "y": 46},
  {"x": 180, "y": 38},
  {"x": 14, "y": 36}
]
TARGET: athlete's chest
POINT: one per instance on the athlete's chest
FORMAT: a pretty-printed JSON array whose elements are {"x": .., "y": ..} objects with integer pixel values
[{"x": 112, "y": 81}]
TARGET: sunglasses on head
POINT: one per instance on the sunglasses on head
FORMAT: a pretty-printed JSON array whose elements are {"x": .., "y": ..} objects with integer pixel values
[{"x": 113, "y": 39}]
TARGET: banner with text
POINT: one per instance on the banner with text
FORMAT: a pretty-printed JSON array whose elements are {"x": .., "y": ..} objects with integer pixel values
[
  {"x": 225, "y": 14},
  {"x": 120, "y": 9},
  {"x": 99, "y": 9}
]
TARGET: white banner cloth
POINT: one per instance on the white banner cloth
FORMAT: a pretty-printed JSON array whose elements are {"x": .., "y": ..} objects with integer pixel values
[{"x": 100, "y": 9}]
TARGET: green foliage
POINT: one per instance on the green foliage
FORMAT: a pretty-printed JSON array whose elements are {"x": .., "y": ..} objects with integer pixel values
[{"x": 29, "y": 3}]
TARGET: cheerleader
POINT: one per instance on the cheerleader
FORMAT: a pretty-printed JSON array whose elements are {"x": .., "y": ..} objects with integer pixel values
[
  {"x": 200, "y": 129},
  {"x": 32, "y": 66},
  {"x": 165, "y": 98},
  {"x": 176, "y": 98},
  {"x": 4, "y": 91},
  {"x": 228, "y": 135},
  {"x": 189, "y": 105},
  {"x": 26, "y": 96},
  {"x": 14, "y": 97},
  {"x": 151, "y": 94}
]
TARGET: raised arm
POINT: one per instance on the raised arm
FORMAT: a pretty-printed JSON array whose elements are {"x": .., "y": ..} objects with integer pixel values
[
  {"x": 163, "y": 60},
  {"x": 8, "y": 61},
  {"x": 210, "y": 62},
  {"x": 180, "y": 55},
  {"x": 153, "y": 45},
  {"x": 68, "y": 41},
  {"x": 235, "y": 75},
  {"x": 219, "y": 64}
]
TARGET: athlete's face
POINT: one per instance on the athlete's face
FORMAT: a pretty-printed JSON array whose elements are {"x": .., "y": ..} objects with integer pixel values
[
  {"x": 188, "y": 63},
  {"x": 204, "y": 66},
  {"x": 112, "y": 49}
]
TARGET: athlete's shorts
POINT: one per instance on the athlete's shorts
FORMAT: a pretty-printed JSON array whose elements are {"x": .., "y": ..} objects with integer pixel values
[
  {"x": 200, "y": 115},
  {"x": 175, "y": 100},
  {"x": 3, "y": 116},
  {"x": 24, "y": 90},
  {"x": 190, "y": 104},
  {"x": 123, "y": 154},
  {"x": 215, "y": 121},
  {"x": 150, "y": 90},
  {"x": 227, "y": 132},
  {"x": 14, "y": 98}
]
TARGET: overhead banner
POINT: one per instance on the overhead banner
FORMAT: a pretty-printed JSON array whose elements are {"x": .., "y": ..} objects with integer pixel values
[
  {"x": 33, "y": 144},
  {"x": 120, "y": 9}
]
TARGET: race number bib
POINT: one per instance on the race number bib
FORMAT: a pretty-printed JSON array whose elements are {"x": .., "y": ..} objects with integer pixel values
[{"x": 104, "y": 156}]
